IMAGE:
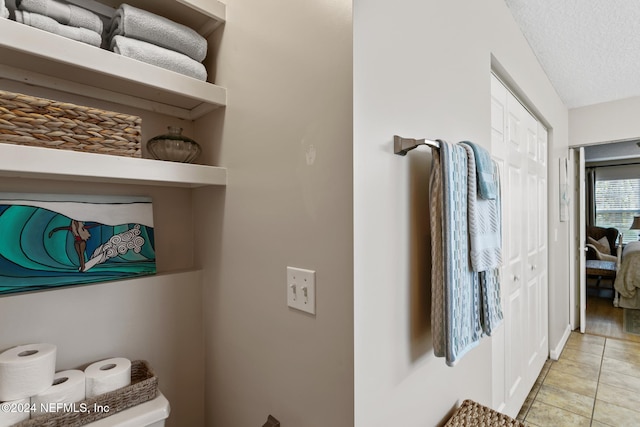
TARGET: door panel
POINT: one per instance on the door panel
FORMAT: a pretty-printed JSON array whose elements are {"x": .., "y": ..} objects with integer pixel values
[
  {"x": 543, "y": 341},
  {"x": 543, "y": 136},
  {"x": 532, "y": 214},
  {"x": 513, "y": 126},
  {"x": 514, "y": 216},
  {"x": 514, "y": 353},
  {"x": 533, "y": 310},
  {"x": 542, "y": 218},
  {"x": 532, "y": 143}
]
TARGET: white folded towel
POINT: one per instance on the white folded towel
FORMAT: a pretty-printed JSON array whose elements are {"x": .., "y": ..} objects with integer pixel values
[
  {"x": 4, "y": 12},
  {"x": 158, "y": 56},
  {"x": 66, "y": 14},
  {"x": 52, "y": 26},
  {"x": 139, "y": 24}
]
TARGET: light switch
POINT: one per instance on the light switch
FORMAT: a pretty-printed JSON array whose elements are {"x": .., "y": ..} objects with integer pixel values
[{"x": 301, "y": 289}]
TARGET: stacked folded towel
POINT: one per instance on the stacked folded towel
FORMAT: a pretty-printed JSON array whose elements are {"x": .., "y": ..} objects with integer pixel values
[
  {"x": 158, "y": 56},
  {"x": 60, "y": 18},
  {"x": 156, "y": 40},
  {"x": 52, "y": 26},
  {"x": 4, "y": 12},
  {"x": 66, "y": 14}
]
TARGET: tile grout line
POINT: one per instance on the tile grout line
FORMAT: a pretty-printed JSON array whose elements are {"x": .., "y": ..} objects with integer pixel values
[
  {"x": 535, "y": 397},
  {"x": 601, "y": 356},
  {"x": 629, "y": 390},
  {"x": 564, "y": 408},
  {"x": 542, "y": 383},
  {"x": 524, "y": 417},
  {"x": 595, "y": 398}
]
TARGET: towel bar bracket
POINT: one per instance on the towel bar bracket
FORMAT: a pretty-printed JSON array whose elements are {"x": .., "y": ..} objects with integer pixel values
[{"x": 401, "y": 146}]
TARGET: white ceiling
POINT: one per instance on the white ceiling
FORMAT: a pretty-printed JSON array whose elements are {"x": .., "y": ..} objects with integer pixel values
[{"x": 590, "y": 49}]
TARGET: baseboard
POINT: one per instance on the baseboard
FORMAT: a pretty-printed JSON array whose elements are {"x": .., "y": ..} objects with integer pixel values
[{"x": 554, "y": 354}]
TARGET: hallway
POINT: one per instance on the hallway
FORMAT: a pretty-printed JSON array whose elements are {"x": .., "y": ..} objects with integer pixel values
[{"x": 594, "y": 383}]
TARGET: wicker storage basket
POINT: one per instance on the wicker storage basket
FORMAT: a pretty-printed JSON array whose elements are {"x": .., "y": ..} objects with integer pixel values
[
  {"x": 39, "y": 122},
  {"x": 143, "y": 387},
  {"x": 473, "y": 414}
]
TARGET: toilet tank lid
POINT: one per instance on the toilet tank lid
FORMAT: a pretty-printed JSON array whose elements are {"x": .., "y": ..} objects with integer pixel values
[{"x": 140, "y": 415}]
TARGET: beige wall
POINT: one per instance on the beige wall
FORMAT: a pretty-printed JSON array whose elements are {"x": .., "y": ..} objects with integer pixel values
[
  {"x": 422, "y": 69},
  {"x": 609, "y": 121},
  {"x": 157, "y": 318},
  {"x": 287, "y": 67}
]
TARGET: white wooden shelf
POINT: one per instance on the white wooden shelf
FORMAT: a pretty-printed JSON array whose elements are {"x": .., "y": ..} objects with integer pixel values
[
  {"x": 39, "y": 58},
  {"x": 33, "y": 56},
  {"x": 47, "y": 163}
]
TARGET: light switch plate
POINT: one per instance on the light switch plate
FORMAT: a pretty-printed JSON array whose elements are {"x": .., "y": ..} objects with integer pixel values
[{"x": 301, "y": 289}]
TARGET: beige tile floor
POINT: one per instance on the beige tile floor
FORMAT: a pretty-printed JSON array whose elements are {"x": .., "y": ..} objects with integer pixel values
[{"x": 596, "y": 382}]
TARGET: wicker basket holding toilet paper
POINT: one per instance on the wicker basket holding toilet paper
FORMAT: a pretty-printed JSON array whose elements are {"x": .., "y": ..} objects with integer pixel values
[{"x": 143, "y": 387}]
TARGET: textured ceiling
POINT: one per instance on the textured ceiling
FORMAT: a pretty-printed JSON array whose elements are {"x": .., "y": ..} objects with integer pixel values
[{"x": 590, "y": 49}]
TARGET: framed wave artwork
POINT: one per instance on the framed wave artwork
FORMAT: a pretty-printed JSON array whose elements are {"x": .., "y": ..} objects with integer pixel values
[{"x": 49, "y": 241}]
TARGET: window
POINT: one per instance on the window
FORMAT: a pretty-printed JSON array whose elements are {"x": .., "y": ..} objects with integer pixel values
[{"x": 617, "y": 202}]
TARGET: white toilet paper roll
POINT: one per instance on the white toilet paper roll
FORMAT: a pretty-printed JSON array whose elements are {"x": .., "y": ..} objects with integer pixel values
[
  {"x": 13, "y": 412},
  {"x": 67, "y": 387},
  {"x": 26, "y": 370},
  {"x": 107, "y": 375}
]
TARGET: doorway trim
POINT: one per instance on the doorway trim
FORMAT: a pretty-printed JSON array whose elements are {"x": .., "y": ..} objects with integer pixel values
[{"x": 574, "y": 234}]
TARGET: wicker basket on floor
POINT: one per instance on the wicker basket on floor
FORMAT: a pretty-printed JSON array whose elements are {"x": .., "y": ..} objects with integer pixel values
[
  {"x": 473, "y": 414},
  {"x": 39, "y": 122},
  {"x": 143, "y": 387}
]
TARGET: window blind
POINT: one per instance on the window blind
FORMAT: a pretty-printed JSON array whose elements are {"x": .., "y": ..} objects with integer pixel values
[{"x": 617, "y": 202}]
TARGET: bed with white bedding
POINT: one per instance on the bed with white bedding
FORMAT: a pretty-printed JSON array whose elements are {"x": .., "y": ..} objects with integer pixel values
[{"x": 628, "y": 277}]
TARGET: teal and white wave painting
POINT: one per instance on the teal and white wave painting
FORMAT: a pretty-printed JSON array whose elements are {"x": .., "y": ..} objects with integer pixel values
[{"x": 50, "y": 241}]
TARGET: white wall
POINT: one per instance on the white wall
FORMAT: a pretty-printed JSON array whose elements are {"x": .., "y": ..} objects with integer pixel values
[
  {"x": 422, "y": 69},
  {"x": 609, "y": 121},
  {"x": 286, "y": 141}
]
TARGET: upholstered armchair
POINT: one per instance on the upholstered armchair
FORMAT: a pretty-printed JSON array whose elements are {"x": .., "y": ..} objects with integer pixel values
[
  {"x": 604, "y": 244},
  {"x": 604, "y": 255}
]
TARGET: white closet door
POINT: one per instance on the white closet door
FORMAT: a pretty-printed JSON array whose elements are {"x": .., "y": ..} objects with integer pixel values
[{"x": 519, "y": 145}]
